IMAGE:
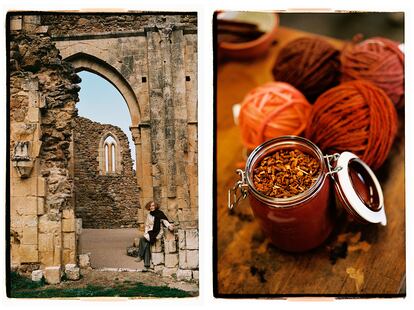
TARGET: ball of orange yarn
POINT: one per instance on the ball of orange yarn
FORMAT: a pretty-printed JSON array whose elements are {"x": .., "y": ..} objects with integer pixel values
[
  {"x": 310, "y": 64},
  {"x": 355, "y": 116},
  {"x": 272, "y": 110},
  {"x": 379, "y": 61}
]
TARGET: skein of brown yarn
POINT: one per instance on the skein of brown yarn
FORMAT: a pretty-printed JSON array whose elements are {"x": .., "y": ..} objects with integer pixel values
[
  {"x": 379, "y": 61},
  {"x": 310, "y": 64},
  {"x": 355, "y": 116}
]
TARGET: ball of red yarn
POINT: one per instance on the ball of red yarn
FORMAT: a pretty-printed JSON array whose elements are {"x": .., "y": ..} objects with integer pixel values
[
  {"x": 310, "y": 64},
  {"x": 378, "y": 60},
  {"x": 272, "y": 110},
  {"x": 355, "y": 116}
]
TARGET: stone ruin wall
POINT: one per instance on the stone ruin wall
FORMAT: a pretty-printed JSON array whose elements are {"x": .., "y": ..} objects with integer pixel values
[
  {"x": 70, "y": 24},
  {"x": 43, "y": 93},
  {"x": 157, "y": 62},
  {"x": 157, "y": 57},
  {"x": 103, "y": 201}
]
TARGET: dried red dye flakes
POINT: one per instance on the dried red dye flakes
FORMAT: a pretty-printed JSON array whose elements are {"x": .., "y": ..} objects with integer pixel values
[{"x": 285, "y": 173}]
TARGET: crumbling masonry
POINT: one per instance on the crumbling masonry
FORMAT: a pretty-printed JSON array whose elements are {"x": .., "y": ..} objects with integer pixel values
[
  {"x": 152, "y": 60},
  {"x": 103, "y": 200}
]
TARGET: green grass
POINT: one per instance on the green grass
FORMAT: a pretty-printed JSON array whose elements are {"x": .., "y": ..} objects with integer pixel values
[
  {"x": 22, "y": 287},
  {"x": 19, "y": 282}
]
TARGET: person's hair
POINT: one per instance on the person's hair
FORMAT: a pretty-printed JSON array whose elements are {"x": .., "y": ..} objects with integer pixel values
[{"x": 148, "y": 205}]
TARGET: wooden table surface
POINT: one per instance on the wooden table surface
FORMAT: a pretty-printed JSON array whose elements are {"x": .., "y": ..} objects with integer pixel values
[{"x": 356, "y": 259}]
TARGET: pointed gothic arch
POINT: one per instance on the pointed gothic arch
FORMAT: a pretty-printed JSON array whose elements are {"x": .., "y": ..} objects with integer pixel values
[{"x": 83, "y": 61}]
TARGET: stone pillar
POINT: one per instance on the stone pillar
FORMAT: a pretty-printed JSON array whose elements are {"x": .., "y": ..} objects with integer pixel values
[
  {"x": 182, "y": 200},
  {"x": 69, "y": 237},
  {"x": 28, "y": 188},
  {"x": 191, "y": 100},
  {"x": 136, "y": 137},
  {"x": 157, "y": 112},
  {"x": 142, "y": 131},
  {"x": 169, "y": 108}
]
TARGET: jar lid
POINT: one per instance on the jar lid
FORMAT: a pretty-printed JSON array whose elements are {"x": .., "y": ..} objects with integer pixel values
[{"x": 358, "y": 189}]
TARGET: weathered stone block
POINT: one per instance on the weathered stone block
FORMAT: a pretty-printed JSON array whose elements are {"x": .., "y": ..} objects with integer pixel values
[
  {"x": 57, "y": 254},
  {"x": 23, "y": 187},
  {"x": 46, "y": 258},
  {"x": 188, "y": 259},
  {"x": 52, "y": 274},
  {"x": 84, "y": 260},
  {"x": 29, "y": 235},
  {"x": 28, "y": 253},
  {"x": 195, "y": 275},
  {"x": 157, "y": 246},
  {"x": 25, "y": 205},
  {"x": 37, "y": 275},
  {"x": 168, "y": 272},
  {"x": 69, "y": 241},
  {"x": 45, "y": 242},
  {"x": 171, "y": 260},
  {"x": 30, "y": 220},
  {"x": 72, "y": 272},
  {"x": 184, "y": 275},
  {"x": 181, "y": 239},
  {"x": 42, "y": 29},
  {"x": 191, "y": 238},
  {"x": 157, "y": 258},
  {"x": 15, "y": 23},
  {"x": 48, "y": 226},
  {"x": 40, "y": 205},
  {"x": 186, "y": 214},
  {"x": 41, "y": 184},
  {"x": 192, "y": 259},
  {"x": 68, "y": 225},
  {"x": 15, "y": 255},
  {"x": 170, "y": 244},
  {"x": 68, "y": 214},
  {"x": 33, "y": 115},
  {"x": 69, "y": 256}
]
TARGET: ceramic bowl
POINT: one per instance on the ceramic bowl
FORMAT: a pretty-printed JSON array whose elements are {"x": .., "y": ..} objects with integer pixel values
[{"x": 267, "y": 22}]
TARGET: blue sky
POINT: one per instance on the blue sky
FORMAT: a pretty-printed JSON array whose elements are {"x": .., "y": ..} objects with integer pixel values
[{"x": 101, "y": 102}]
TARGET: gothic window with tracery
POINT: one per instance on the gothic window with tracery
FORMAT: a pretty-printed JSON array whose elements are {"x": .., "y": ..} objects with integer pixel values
[{"x": 109, "y": 154}]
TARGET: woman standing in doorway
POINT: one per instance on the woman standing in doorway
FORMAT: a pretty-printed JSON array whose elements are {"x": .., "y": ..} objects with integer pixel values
[{"x": 152, "y": 232}]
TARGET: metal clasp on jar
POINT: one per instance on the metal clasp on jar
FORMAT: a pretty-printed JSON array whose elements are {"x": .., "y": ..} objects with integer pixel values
[
  {"x": 330, "y": 159},
  {"x": 238, "y": 192}
]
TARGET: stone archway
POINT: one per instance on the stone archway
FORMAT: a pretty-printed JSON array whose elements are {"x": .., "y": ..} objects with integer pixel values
[
  {"x": 82, "y": 61},
  {"x": 152, "y": 60}
]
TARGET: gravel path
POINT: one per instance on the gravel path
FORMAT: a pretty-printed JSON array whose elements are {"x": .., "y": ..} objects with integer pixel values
[{"x": 108, "y": 247}]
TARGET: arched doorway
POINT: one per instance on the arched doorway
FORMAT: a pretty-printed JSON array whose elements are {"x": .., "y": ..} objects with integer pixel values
[{"x": 105, "y": 186}]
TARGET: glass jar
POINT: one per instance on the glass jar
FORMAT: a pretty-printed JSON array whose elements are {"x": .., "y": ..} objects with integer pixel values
[{"x": 302, "y": 222}]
